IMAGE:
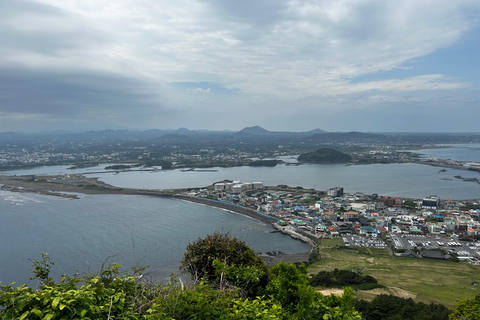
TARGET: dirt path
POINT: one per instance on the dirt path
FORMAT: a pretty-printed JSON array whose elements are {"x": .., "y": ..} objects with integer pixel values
[{"x": 334, "y": 291}]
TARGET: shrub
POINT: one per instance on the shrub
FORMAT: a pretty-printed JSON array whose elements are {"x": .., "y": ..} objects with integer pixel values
[{"x": 223, "y": 260}]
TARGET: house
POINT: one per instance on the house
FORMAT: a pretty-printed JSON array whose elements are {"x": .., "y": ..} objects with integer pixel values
[
  {"x": 471, "y": 232},
  {"x": 333, "y": 231},
  {"x": 343, "y": 227},
  {"x": 434, "y": 254},
  {"x": 329, "y": 216},
  {"x": 411, "y": 254},
  {"x": 351, "y": 215}
]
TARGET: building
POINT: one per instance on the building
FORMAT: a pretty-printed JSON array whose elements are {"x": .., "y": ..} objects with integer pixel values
[
  {"x": 343, "y": 227},
  {"x": 335, "y": 192},
  {"x": 257, "y": 185},
  {"x": 431, "y": 202},
  {"x": 351, "y": 215},
  {"x": 219, "y": 186}
]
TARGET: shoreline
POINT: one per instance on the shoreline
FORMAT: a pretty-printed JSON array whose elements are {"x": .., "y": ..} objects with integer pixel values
[{"x": 96, "y": 187}]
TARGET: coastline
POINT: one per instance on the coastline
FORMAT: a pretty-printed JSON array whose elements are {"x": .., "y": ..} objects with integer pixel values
[{"x": 95, "y": 187}]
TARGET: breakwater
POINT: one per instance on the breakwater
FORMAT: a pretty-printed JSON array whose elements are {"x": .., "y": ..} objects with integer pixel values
[{"x": 295, "y": 235}]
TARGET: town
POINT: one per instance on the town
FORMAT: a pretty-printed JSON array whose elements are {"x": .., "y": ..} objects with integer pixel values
[
  {"x": 183, "y": 148},
  {"x": 422, "y": 228}
]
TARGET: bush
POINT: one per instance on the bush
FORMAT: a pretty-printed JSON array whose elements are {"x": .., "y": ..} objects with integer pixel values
[
  {"x": 223, "y": 260},
  {"x": 100, "y": 296},
  {"x": 467, "y": 309},
  {"x": 109, "y": 294},
  {"x": 389, "y": 307},
  {"x": 341, "y": 278},
  {"x": 289, "y": 287}
]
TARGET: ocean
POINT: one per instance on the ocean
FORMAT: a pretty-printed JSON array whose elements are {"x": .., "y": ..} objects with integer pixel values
[{"x": 80, "y": 234}]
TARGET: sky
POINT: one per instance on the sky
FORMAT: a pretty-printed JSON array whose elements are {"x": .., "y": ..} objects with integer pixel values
[{"x": 337, "y": 65}]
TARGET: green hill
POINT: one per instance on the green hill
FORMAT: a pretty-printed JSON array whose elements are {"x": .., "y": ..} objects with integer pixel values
[{"x": 325, "y": 155}]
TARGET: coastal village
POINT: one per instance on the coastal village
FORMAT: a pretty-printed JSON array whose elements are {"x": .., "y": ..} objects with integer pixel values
[{"x": 421, "y": 228}]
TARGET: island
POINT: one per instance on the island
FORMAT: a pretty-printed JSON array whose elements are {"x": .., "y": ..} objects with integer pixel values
[{"x": 325, "y": 155}]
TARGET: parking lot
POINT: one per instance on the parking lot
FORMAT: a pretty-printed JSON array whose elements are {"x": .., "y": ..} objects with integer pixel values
[
  {"x": 452, "y": 245},
  {"x": 358, "y": 241}
]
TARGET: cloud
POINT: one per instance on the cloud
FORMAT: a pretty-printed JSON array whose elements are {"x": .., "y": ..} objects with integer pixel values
[
  {"x": 158, "y": 59},
  {"x": 77, "y": 96},
  {"x": 425, "y": 82}
]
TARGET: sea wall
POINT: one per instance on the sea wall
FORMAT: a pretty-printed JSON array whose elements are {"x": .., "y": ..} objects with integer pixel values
[{"x": 295, "y": 235}]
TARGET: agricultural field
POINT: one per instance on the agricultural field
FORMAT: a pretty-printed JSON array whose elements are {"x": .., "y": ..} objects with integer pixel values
[{"x": 421, "y": 279}]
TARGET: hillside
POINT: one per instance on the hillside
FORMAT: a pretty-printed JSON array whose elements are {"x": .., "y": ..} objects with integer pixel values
[{"x": 325, "y": 155}]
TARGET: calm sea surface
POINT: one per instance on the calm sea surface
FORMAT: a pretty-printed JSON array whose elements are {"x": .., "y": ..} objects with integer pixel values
[
  {"x": 459, "y": 152},
  {"x": 402, "y": 180},
  {"x": 81, "y": 234}
]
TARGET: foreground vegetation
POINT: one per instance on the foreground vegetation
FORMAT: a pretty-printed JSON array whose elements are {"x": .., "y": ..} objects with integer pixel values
[
  {"x": 422, "y": 279},
  {"x": 389, "y": 307},
  {"x": 229, "y": 281}
]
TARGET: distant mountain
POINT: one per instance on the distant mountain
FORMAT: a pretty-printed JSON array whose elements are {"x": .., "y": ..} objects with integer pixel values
[
  {"x": 9, "y": 135},
  {"x": 182, "y": 131},
  {"x": 254, "y": 131},
  {"x": 314, "y": 131}
]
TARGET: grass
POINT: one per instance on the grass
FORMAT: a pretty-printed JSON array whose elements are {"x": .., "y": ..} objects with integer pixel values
[{"x": 430, "y": 280}]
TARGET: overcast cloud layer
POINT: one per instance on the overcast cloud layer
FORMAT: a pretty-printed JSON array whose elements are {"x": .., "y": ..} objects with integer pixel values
[{"x": 285, "y": 65}]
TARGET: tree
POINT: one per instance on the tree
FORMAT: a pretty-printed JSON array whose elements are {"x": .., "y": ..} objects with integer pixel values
[
  {"x": 389, "y": 307},
  {"x": 224, "y": 260},
  {"x": 110, "y": 294},
  {"x": 325, "y": 155},
  {"x": 467, "y": 309},
  {"x": 289, "y": 287}
]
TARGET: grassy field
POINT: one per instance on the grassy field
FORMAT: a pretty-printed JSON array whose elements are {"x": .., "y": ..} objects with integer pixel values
[{"x": 426, "y": 280}]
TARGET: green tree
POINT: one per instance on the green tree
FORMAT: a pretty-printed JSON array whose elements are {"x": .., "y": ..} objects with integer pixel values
[
  {"x": 224, "y": 260},
  {"x": 389, "y": 307},
  {"x": 289, "y": 287},
  {"x": 100, "y": 296},
  {"x": 467, "y": 309},
  {"x": 110, "y": 294}
]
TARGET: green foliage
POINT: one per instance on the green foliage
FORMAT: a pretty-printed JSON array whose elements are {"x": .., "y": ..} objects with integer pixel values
[
  {"x": 467, "y": 309},
  {"x": 391, "y": 307},
  {"x": 42, "y": 269},
  {"x": 109, "y": 294},
  {"x": 103, "y": 295},
  {"x": 158, "y": 163},
  {"x": 263, "y": 163},
  {"x": 325, "y": 155},
  {"x": 118, "y": 167},
  {"x": 205, "y": 302},
  {"x": 246, "y": 277},
  {"x": 434, "y": 219},
  {"x": 220, "y": 257},
  {"x": 409, "y": 204},
  {"x": 289, "y": 287},
  {"x": 314, "y": 255},
  {"x": 341, "y": 278}
]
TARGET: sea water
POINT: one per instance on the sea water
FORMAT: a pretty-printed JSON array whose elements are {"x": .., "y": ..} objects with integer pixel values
[{"x": 81, "y": 234}]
